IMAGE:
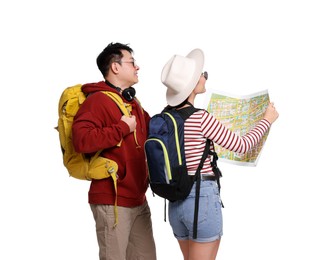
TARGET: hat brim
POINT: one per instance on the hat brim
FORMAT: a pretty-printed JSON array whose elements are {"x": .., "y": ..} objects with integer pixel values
[{"x": 174, "y": 99}]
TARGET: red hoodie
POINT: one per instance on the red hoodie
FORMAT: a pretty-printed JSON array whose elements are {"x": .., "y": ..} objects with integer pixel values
[{"x": 97, "y": 126}]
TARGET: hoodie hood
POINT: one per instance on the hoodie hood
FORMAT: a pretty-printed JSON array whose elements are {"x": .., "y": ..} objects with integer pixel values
[{"x": 94, "y": 87}]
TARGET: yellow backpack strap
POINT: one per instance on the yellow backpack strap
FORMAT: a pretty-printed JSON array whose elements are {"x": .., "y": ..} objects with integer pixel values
[
  {"x": 126, "y": 110},
  {"x": 114, "y": 177}
]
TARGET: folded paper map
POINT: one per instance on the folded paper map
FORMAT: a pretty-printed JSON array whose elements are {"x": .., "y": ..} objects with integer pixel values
[{"x": 239, "y": 114}]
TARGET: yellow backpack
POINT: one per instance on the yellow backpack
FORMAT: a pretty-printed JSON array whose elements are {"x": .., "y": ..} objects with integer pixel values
[{"x": 77, "y": 164}]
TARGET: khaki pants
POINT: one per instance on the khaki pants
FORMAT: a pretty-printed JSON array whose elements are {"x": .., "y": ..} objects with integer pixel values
[{"x": 131, "y": 239}]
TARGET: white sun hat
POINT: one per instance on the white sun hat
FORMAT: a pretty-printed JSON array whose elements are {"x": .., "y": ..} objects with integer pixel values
[{"x": 181, "y": 74}]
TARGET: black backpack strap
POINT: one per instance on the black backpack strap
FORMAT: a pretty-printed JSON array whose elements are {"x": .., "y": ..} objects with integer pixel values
[
  {"x": 185, "y": 112},
  {"x": 198, "y": 185},
  {"x": 216, "y": 169}
]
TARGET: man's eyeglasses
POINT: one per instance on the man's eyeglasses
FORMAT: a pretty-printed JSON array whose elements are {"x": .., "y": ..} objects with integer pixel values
[
  {"x": 205, "y": 75},
  {"x": 134, "y": 64}
]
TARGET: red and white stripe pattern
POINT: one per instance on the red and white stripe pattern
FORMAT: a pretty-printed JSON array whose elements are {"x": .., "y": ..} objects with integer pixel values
[{"x": 202, "y": 125}]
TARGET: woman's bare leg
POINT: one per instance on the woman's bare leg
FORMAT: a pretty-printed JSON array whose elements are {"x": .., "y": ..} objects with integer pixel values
[
  {"x": 203, "y": 251},
  {"x": 184, "y": 245},
  {"x": 199, "y": 251}
]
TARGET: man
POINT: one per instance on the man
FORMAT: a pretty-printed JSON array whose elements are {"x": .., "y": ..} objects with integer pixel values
[{"x": 100, "y": 125}]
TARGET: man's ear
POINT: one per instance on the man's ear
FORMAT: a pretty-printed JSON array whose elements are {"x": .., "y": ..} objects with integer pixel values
[{"x": 114, "y": 67}]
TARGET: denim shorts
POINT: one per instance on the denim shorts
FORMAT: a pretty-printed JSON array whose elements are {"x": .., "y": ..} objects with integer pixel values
[{"x": 181, "y": 214}]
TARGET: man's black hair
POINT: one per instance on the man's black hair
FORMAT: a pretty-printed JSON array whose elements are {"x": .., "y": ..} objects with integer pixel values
[{"x": 112, "y": 53}]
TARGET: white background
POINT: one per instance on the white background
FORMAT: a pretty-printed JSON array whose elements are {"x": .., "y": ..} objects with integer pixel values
[{"x": 272, "y": 211}]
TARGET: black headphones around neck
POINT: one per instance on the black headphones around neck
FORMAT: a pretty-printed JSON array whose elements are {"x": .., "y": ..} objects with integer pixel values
[{"x": 128, "y": 93}]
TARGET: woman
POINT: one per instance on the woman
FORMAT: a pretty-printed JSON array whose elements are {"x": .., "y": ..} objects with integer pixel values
[{"x": 184, "y": 80}]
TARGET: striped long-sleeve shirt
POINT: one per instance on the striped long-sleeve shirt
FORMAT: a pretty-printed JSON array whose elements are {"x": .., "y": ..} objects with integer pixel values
[{"x": 202, "y": 125}]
